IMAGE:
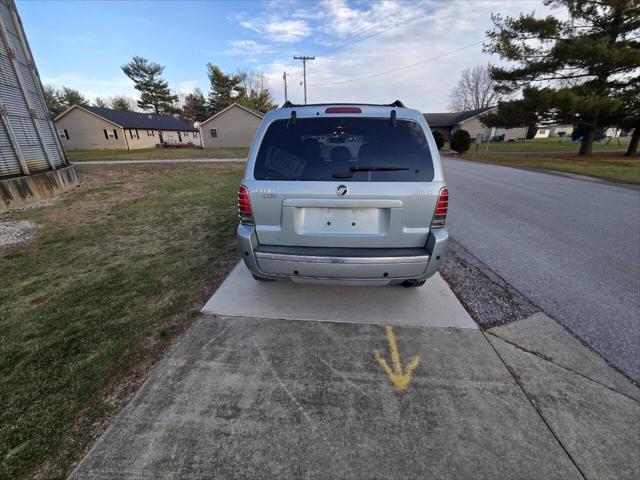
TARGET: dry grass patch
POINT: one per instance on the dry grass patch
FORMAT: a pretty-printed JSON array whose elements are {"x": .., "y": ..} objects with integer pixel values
[
  {"x": 610, "y": 167},
  {"x": 156, "y": 154}
]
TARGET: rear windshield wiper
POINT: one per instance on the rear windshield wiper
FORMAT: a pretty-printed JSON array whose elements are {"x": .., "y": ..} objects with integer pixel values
[
  {"x": 376, "y": 169},
  {"x": 349, "y": 174}
]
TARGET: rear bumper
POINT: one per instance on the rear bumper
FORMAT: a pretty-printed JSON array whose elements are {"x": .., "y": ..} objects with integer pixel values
[{"x": 370, "y": 266}]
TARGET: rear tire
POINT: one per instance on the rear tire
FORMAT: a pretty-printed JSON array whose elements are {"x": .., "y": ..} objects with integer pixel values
[
  {"x": 261, "y": 279},
  {"x": 413, "y": 283}
]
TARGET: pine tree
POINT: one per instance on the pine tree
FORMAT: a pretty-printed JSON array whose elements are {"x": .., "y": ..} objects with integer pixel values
[
  {"x": 195, "y": 107},
  {"x": 577, "y": 68},
  {"x": 99, "y": 102},
  {"x": 120, "y": 102},
  {"x": 154, "y": 90},
  {"x": 223, "y": 89},
  {"x": 246, "y": 88},
  {"x": 53, "y": 100},
  {"x": 70, "y": 97}
]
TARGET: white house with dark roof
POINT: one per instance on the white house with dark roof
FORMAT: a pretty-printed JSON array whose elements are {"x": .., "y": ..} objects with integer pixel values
[
  {"x": 95, "y": 128},
  {"x": 235, "y": 126},
  {"x": 471, "y": 121}
]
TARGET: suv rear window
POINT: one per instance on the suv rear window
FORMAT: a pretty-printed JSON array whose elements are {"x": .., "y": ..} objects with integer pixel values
[{"x": 353, "y": 149}]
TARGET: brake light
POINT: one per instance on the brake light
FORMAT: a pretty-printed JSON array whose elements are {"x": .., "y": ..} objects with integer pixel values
[
  {"x": 343, "y": 110},
  {"x": 244, "y": 206},
  {"x": 440, "y": 215}
]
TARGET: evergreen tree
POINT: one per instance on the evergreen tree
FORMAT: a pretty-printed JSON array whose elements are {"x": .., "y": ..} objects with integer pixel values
[
  {"x": 223, "y": 90},
  {"x": 53, "y": 100},
  {"x": 195, "y": 107},
  {"x": 154, "y": 90},
  {"x": 630, "y": 98},
  {"x": 246, "y": 88},
  {"x": 70, "y": 97},
  {"x": 99, "y": 102},
  {"x": 578, "y": 68},
  {"x": 120, "y": 102}
]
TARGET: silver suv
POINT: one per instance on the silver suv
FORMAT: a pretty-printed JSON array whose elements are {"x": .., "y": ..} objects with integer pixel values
[{"x": 343, "y": 194}]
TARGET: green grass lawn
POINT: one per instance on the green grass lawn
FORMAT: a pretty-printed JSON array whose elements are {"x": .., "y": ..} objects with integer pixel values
[
  {"x": 555, "y": 144},
  {"x": 611, "y": 167},
  {"x": 156, "y": 153},
  {"x": 116, "y": 270}
]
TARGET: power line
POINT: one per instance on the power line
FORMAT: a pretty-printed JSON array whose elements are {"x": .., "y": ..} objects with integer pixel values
[
  {"x": 401, "y": 23},
  {"x": 363, "y": 30},
  {"x": 404, "y": 67}
]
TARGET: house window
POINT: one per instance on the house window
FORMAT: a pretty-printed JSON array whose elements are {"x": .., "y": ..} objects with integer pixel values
[
  {"x": 542, "y": 130},
  {"x": 150, "y": 133},
  {"x": 133, "y": 133},
  {"x": 63, "y": 134},
  {"x": 214, "y": 132},
  {"x": 186, "y": 134},
  {"x": 112, "y": 135},
  {"x": 195, "y": 134}
]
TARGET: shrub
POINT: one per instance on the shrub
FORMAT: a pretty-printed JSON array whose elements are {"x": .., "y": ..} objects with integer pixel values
[
  {"x": 460, "y": 141},
  {"x": 439, "y": 138}
]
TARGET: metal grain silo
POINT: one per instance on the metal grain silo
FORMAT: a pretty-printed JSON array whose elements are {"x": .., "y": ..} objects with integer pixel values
[{"x": 32, "y": 162}]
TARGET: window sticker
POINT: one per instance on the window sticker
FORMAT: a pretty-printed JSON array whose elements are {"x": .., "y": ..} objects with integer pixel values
[{"x": 285, "y": 163}]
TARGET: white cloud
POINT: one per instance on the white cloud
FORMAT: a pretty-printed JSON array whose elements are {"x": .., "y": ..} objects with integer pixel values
[
  {"x": 353, "y": 43},
  {"x": 186, "y": 86},
  {"x": 93, "y": 87},
  {"x": 279, "y": 30},
  {"x": 248, "y": 47}
]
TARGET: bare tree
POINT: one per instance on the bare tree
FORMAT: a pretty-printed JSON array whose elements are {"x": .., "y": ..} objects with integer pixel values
[
  {"x": 474, "y": 90},
  {"x": 253, "y": 90}
]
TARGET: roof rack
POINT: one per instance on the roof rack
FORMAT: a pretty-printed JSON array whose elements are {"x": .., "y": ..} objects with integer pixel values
[{"x": 397, "y": 104}]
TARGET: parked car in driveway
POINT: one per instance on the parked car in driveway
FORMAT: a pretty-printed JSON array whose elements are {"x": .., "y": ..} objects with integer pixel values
[{"x": 343, "y": 194}]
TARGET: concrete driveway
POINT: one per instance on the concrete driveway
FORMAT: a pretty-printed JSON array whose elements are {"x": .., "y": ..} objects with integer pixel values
[{"x": 279, "y": 380}]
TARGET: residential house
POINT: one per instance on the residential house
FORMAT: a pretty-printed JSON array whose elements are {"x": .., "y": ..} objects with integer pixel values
[
  {"x": 546, "y": 131},
  {"x": 95, "y": 128},
  {"x": 235, "y": 126},
  {"x": 470, "y": 120}
]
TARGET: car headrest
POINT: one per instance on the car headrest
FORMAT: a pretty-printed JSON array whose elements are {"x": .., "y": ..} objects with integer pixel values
[
  {"x": 340, "y": 154},
  {"x": 311, "y": 149}
]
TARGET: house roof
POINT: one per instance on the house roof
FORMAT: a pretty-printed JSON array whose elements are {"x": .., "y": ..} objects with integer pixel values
[
  {"x": 448, "y": 119},
  {"x": 126, "y": 119},
  {"x": 250, "y": 110}
]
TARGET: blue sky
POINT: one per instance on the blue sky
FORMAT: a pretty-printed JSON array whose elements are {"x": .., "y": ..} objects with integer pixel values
[{"x": 83, "y": 44}]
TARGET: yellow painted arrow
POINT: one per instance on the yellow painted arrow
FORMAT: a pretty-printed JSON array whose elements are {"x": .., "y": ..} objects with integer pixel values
[{"x": 401, "y": 379}]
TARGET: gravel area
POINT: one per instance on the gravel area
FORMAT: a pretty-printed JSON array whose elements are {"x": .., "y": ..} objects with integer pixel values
[
  {"x": 488, "y": 298},
  {"x": 15, "y": 231}
]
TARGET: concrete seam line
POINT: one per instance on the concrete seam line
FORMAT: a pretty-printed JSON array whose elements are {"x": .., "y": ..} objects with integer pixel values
[
  {"x": 532, "y": 403},
  {"x": 341, "y": 375},
  {"x": 314, "y": 427},
  {"x": 548, "y": 359}
]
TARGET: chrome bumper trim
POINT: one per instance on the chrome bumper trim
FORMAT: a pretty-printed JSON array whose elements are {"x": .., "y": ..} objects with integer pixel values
[{"x": 341, "y": 260}]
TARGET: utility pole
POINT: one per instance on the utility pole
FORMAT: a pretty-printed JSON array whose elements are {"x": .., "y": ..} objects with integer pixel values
[
  {"x": 284, "y": 77},
  {"x": 304, "y": 59}
]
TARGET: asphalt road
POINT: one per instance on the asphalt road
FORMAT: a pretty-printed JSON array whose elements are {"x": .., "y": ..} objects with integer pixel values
[{"x": 572, "y": 246}]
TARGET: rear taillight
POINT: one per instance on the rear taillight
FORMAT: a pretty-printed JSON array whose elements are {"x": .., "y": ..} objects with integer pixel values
[
  {"x": 244, "y": 206},
  {"x": 440, "y": 216}
]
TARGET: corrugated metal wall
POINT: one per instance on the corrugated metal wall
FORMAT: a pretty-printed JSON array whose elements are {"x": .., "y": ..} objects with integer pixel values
[{"x": 28, "y": 142}]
